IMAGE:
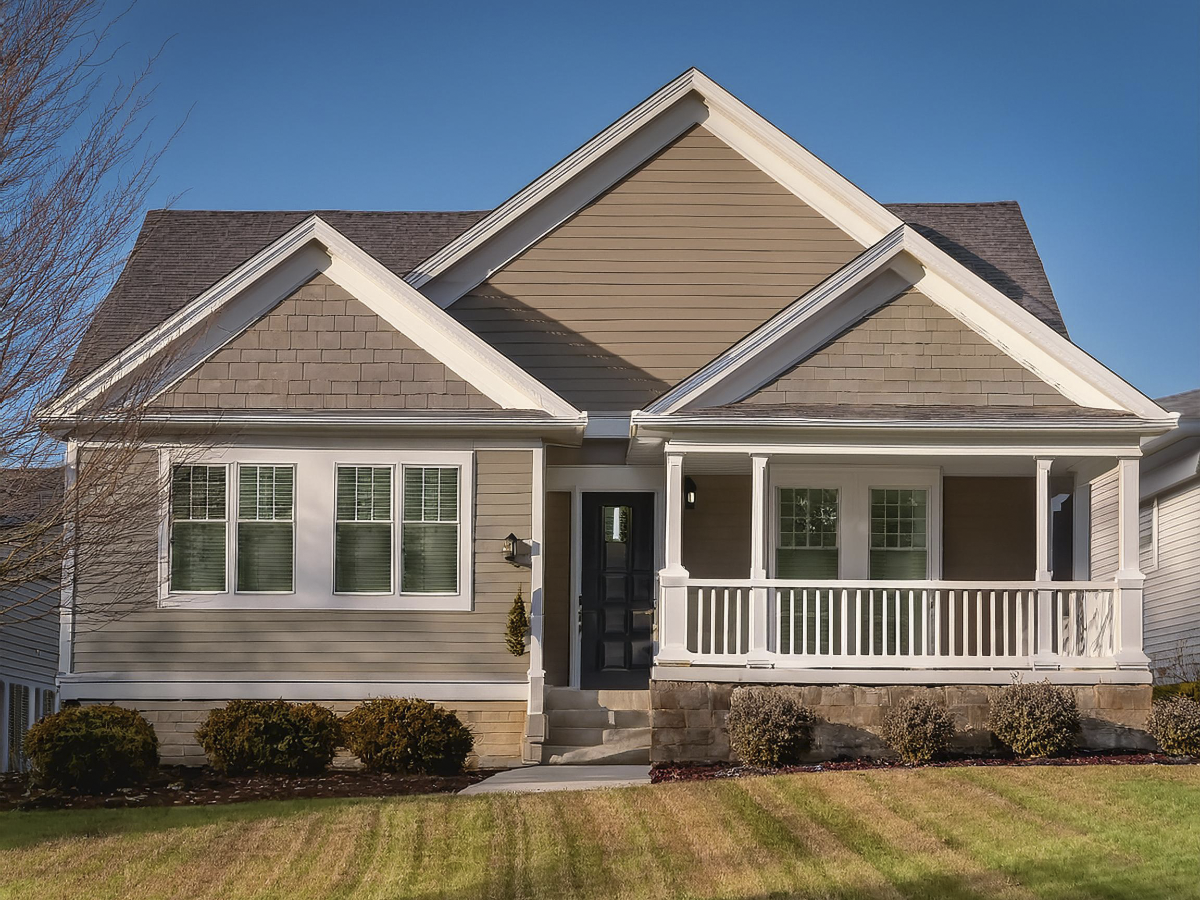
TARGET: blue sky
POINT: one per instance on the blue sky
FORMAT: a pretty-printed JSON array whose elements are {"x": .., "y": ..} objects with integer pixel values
[{"x": 1088, "y": 113}]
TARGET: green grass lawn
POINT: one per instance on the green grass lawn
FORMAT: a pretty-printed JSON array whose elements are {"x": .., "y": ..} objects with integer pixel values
[{"x": 1094, "y": 832}]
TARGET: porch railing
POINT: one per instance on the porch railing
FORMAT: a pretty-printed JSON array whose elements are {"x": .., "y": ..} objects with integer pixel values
[{"x": 914, "y": 624}]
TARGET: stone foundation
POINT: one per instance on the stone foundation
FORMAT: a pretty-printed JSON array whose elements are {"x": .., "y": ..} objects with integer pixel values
[
  {"x": 687, "y": 718},
  {"x": 498, "y": 726}
]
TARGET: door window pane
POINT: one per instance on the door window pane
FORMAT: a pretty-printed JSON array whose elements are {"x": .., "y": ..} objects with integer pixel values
[
  {"x": 808, "y": 533},
  {"x": 198, "y": 521},
  {"x": 266, "y": 529},
  {"x": 899, "y": 534},
  {"x": 363, "y": 531},
  {"x": 429, "y": 533}
]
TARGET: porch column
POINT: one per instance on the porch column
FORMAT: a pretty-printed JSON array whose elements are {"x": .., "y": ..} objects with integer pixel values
[
  {"x": 1129, "y": 576},
  {"x": 1045, "y": 656},
  {"x": 535, "y": 718},
  {"x": 759, "y": 616},
  {"x": 672, "y": 580}
]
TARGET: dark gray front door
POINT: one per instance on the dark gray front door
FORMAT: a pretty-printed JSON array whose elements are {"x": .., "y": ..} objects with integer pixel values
[{"x": 617, "y": 601}]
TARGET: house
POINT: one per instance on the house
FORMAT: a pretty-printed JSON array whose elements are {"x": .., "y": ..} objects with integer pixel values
[
  {"x": 28, "y": 616},
  {"x": 744, "y": 424},
  {"x": 1169, "y": 535}
]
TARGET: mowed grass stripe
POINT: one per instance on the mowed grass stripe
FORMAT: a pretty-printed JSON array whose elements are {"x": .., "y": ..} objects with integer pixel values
[{"x": 1103, "y": 832}]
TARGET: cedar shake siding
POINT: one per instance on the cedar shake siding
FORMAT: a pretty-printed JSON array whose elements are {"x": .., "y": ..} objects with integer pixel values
[
  {"x": 328, "y": 643},
  {"x": 322, "y": 349},
  {"x": 656, "y": 277},
  {"x": 911, "y": 352}
]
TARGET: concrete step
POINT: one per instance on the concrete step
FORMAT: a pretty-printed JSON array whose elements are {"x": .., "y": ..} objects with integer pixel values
[
  {"x": 598, "y": 718},
  {"x": 605, "y": 754},
  {"x": 570, "y": 698},
  {"x": 594, "y": 737}
]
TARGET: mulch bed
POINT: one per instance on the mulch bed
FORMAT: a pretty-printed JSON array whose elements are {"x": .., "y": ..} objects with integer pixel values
[
  {"x": 667, "y": 772},
  {"x": 180, "y": 786}
]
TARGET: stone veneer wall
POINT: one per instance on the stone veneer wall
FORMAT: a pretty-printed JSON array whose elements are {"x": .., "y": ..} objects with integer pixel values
[
  {"x": 687, "y": 718},
  {"x": 498, "y": 726}
]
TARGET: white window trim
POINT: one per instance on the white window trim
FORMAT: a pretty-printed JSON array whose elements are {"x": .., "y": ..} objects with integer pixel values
[
  {"x": 236, "y": 502},
  {"x": 314, "y": 517},
  {"x": 394, "y": 543},
  {"x": 399, "y": 536},
  {"x": 164, "y": 557},
  {"x": 1150, "y": 563},
  {"x": 854, "y": 484}
]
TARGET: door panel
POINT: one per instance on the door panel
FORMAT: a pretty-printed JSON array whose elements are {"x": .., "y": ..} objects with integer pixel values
[{"x": 617, "y": 600}]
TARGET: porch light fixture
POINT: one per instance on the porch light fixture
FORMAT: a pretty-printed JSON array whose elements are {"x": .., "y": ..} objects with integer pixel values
[
  {"x": 689, "y": 493},
  {"x": 516, "y": 551}
]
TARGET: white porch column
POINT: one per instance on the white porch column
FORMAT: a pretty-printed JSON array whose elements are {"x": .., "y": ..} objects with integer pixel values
[
  {"x": 535, "y": 719},
  {"x": 759, "y": 509},
  {"x": 1045, "y": 656},
  {"x": 672, "y": 580},
  {"x": 1129, "y": 576}
]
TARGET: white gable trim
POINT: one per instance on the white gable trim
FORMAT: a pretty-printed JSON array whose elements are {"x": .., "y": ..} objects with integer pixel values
[
  {"x": 910, "y": 260},
  {"x": 285, "y": 265},
  {"x": 691, "y": 99}
]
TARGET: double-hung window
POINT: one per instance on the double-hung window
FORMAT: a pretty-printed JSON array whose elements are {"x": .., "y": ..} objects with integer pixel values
[
  {"x": 266, "y": 529},
  {"x": 808, "y": 533},
  {"x": 429, "y": 530},
  {"x": 899, "y": 533},
  {"x": 198, "y": 521},
  {"x": 363, "y": 531}
]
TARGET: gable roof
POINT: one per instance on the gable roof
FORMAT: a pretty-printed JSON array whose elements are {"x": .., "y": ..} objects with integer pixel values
[
  {"x": 1186, "y": 403},
  {"x": 179, "y": 254}
]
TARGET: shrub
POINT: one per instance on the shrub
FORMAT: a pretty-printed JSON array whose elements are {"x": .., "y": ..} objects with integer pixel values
[
  {"x": 408, "y": 736},
  {"x": 1175, "y": 723},
  {"x": 918, "y": 729},
  {"x": 92, "y": 748},
  {"x": 252, "y": 736},
  {"x": 1035, "y": 719},
  {"x": 1189, "y": 689},
  {"x": 768, "y": 728}
]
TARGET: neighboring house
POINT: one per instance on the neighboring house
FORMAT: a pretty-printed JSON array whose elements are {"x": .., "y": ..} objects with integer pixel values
[
  {"x": 750, "y": 425},
  {"x": 29, "y": 621},
  {"x": 1170, "y": 543}
]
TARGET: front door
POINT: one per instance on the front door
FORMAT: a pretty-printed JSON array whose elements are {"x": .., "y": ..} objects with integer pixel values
[{"x": 617, "y": 601}]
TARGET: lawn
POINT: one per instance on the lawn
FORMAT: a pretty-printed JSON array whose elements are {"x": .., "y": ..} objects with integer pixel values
[{"x": 1094, "y": 832}]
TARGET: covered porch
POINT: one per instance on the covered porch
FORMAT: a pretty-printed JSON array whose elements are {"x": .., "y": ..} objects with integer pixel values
[{"x": 935, "y": 563}]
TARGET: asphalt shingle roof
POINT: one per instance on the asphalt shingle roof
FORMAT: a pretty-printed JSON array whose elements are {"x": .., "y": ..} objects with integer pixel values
[
  {"x": 181, "y": 253},
  {"x": 1186, "y": 403}
]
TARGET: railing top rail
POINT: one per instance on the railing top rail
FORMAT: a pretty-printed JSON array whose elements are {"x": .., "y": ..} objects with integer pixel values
[{"x": 866, "y": 584}]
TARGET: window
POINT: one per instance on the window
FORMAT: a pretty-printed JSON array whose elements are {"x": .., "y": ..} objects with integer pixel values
[
  {"x": 363, "y": 530},
  {"x": 808, "y": 533},
  {"x": 198, "y": 519},
  {"x": 266, "y": 529},
  {"x": 899, "y": 533},
  {"x": 1148, "y": 536},
  {"x": 429, "y": 533}
]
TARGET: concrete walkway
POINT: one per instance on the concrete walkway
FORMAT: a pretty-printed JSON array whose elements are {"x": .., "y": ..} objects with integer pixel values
[{"x": 538, "y": 779}]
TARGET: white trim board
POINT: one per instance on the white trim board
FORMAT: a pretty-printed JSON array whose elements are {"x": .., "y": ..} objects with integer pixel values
[
  {"x": 234, "y": 303},
  {"x": 127, "y": 686},
  {"x": 903, "y": 259},
  {"x": 735, "y": 675},
  {"x": 691, "y": 99}
]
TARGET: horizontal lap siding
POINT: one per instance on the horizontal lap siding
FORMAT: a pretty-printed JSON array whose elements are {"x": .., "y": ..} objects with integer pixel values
[
  {"x": 29, "y": 632},
  {"x": 656, "y": 277},
  {"x": 372, "y": 645},
  {"x": 1103, "y": 557},
  {"x": 1172, "y": 597}
]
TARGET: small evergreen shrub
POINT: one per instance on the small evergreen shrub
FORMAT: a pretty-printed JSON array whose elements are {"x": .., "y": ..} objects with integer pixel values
[
  {"x": 408, "y": 736},
  {"x": 270, "y": 736},
  {"x": 769, "y": 728},
  {"x": 517, "y": 628},
  {"x": 1175, "y": 723},
  {"x": 92, "y": 748},
  {"x": 1035, "y": 719},
  {"x": 918, "y": 729},
  {"x": 1189, "y": 689}
]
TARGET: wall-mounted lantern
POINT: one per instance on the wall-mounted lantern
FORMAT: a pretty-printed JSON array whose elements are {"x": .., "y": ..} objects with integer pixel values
[
  {"x": 689, "y": 493},
  {"x": 516, "y": 551}
]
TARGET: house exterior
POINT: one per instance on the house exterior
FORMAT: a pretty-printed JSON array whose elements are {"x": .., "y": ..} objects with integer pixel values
[
  {"x": 28, "y": 621},
  {"x": 747, "y": 425}
]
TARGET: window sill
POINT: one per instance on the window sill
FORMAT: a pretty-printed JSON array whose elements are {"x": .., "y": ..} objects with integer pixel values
[{"x": 327, "y": 602}]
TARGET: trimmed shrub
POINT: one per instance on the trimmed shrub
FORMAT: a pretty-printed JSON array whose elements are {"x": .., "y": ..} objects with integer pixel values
[
  {"x": 918, "y": 729},
  {"x": 769, "y": 728},
  {"x": 1175, "y": 723},
  {"x": 1038, "y": 719},
  {"x": 408, "y": 736},
  {"x": 270, "y": 736},
  {"x": 92, "y": 748},
  {"x": 1189, "y": 689}
]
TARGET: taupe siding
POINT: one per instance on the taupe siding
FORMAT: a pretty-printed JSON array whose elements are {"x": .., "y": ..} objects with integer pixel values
[
  {"x": 716, "y": 533},
  {"x": 556, "y": 628},
  {"x": 322, "y": 349},
  {"x": 656, "y": 277},
  {"x": 1172, "y": 593},
  {"x": 989, "y": 529},
  {"x": 29, "y": 633},
  {"x": 1103, "y": 555},
  {"x": 910, "y": 352},
  {"x": 335, "y": 643}
]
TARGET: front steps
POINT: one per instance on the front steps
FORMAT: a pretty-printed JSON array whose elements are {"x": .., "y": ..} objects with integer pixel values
[{"x": 597, "y": 727}]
